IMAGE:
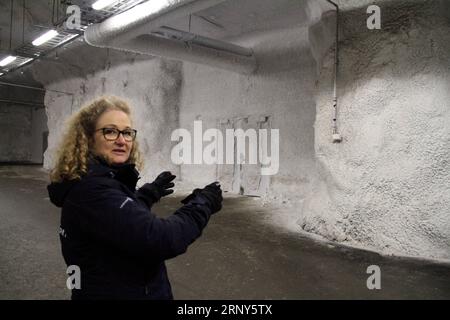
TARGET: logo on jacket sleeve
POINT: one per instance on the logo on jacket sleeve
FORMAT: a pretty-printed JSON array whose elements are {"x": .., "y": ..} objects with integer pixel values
[
  {"x": 62, "y": 232},
  {"x": 125, "y": 202}
]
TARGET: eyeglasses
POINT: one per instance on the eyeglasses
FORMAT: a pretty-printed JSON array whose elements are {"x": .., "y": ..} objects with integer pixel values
[{"x": 112, "y": 134}]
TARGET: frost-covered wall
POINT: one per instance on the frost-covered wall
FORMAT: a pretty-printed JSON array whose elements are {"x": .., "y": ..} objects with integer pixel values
[
  {"x": 280, "y": 95},
  {"x": 387, "y": 185},
  {"x": 151, "y": 86}
]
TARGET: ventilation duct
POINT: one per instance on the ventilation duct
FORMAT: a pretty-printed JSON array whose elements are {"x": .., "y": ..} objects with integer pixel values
[{"x": 142, "y": 29}]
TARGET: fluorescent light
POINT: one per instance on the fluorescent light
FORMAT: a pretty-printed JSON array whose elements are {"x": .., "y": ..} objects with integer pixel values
[
  {"x": 156, "y": 5},
  {"x": 1, "y": 73},
  {"x": 25, "y": 61},
  {"x": 140, "y": 11},
  {"x": 100, "y": 4},
  {"x": 45, "y": 37},
  {"x": 7, "y": 61}
]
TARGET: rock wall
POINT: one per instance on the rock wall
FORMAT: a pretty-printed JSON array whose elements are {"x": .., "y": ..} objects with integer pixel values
[
  {"x": 151, "y": 86},
  {"x": 23, "y": 122},
  {"x": 16, "y": 141},
  {"x": 386, "y": 186},
  {"x": 280, "y": 95}
]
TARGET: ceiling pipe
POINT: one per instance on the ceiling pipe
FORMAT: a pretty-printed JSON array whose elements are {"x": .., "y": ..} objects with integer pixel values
[
  {"x": 142, "y": 19},
  {"x": 203, "y": 41},
  {"x": 130, "y": 31},
  {"x": 178, "y": 50},
  {"x": 24, "y": 103},
  {"x": 32, "y": 88}
]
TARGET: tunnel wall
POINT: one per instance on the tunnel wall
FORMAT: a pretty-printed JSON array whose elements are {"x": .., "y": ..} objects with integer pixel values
[
  {"x": 281, "y": 91},
  {"x": 151, "y": 86},
  {"x": 23, "y": 121},
  {"x": 385, "y": 187},
  {"x": 15, "y": 142},
  {"x": 39, "y": 132}
]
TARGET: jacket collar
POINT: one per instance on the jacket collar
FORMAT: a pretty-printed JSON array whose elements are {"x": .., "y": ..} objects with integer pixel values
[{"x": 125, "y": 173}]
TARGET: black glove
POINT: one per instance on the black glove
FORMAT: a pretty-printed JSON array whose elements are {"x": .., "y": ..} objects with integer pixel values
[
  {"x": 212, "y": 194},
  {"x": 152, "y": 192},
  {"x": 191, "y": 196}
]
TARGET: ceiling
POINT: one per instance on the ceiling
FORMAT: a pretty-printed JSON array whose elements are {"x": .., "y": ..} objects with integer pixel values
[{"x": 21, "y": 21}]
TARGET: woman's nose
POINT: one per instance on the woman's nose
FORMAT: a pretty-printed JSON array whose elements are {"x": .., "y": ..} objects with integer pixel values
[{"x": 120, "y": 139}]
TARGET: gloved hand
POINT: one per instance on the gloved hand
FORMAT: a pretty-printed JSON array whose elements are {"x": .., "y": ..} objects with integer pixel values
[
  {"x": 191, "y": 196},
  {"x": 212, "y": 194},
  {"x": 152, "y": 192}
]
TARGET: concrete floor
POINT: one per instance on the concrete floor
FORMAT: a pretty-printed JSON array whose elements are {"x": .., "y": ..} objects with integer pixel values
[{"x": 240, "y": 255}]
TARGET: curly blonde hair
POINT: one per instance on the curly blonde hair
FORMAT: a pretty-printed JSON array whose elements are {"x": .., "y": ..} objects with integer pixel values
[{"x": 74, "y": 150}]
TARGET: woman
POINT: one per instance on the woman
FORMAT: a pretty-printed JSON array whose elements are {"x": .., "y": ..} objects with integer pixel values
[{"x": 107, "y": 227}]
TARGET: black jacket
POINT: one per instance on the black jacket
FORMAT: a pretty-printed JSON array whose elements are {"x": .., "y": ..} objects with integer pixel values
[{"x": 115, "y": 239}]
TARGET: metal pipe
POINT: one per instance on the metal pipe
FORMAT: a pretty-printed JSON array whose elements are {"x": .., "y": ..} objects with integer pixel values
[
  {"x": 23, "y": 21},
  {"x": 41, "y": 89},
  {"x": 11, "y": 25},
  {"x": 336, "y": 63},
  {"x": 191, "y": 38},
  {"x": 32, "y": 88},
  {"x": 25, "y": 103},
  {"x": 178, "y": 50},
  {"x": 129, "y": 31},
  {"x": 142, "y": 19}
]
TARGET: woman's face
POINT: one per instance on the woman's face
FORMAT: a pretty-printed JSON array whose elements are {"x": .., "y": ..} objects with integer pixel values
[{"x": 117, "y": 151}]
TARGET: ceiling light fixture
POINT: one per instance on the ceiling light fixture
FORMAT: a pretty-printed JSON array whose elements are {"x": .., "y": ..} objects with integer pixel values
[
  {"x": 7, "y": 61},
  {"x": 25, "y": 61},
  {"x": 44, "y": 38},
  {"x": 140, "y": 11},
  {"x": 100, "y": 4}
]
